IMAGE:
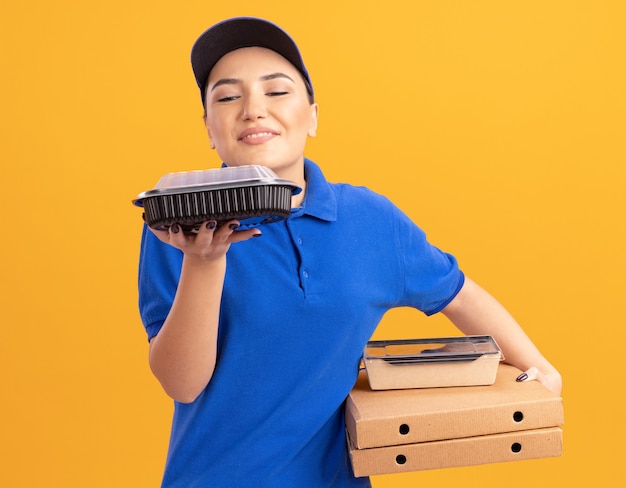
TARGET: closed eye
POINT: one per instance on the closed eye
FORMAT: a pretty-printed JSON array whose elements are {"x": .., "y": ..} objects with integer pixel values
[{"x": 228, "y": 99}]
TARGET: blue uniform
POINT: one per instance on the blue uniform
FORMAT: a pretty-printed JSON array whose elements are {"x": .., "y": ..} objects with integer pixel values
[{"x": 298, "y": 306}]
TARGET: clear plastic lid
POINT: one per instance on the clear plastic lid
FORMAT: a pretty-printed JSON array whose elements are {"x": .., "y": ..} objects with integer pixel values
[
  {"x": 227, "y": 174},
  {"x": 441, "y": 349},
  {"x": 215, "y": 179}
]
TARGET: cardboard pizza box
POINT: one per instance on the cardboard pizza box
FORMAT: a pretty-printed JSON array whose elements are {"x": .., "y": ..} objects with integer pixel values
[
  {"x": 468, "y": 451},
  {"x": 396, "y": 417}
]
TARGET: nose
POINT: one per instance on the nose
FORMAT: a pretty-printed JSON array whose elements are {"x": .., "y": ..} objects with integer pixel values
[{"x": 254, "y": 106}]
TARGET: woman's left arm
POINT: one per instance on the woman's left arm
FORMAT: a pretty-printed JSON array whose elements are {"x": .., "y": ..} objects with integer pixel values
[{"x": 475, "y": 312}]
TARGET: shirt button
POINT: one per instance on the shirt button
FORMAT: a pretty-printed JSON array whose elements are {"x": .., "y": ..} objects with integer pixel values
[
  {"x": 300, "y": 240},
  {"x": 305, "y": 273}
]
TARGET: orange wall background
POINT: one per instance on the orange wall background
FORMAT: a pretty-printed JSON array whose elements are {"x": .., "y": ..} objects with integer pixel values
[{"x": 498, "y": 126}]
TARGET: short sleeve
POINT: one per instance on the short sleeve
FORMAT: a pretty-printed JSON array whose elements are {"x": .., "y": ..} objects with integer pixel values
[
  {"x": 432, "y": 277},
  {"x": 159, "y": 272}
]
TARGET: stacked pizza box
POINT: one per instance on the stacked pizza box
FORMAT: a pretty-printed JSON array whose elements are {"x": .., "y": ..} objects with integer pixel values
[{"x": 398, "y": 418}]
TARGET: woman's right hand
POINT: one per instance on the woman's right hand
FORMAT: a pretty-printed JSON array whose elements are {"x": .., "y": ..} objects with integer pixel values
[{"x": 209, "y": 243}]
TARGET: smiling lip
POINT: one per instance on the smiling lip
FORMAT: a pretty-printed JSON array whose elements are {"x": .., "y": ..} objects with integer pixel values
[{"x": 257, "y": 135}]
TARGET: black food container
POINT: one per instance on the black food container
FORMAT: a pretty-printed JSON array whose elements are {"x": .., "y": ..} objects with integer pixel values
[{"x": 252, "y": 194}]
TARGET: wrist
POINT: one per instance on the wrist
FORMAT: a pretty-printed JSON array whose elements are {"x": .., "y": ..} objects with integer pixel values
[{"x": 195, "y": 262}]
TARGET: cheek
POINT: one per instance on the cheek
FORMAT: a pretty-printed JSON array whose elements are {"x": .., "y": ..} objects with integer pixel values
[
  {"x": 216, "y": 121},
  {"x": 304, "y": 122},
  {"x": 215, "y": 130}
]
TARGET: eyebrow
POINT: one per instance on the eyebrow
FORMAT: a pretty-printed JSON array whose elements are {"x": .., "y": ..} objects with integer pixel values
[{"x": 235, "y": 81}]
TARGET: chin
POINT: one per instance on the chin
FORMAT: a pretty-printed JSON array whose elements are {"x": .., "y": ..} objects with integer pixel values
[{"x": 267, "y": 162}]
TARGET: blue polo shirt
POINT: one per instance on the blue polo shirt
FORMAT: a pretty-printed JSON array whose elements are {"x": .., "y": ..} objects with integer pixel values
[{"x": 298, "y": 306}]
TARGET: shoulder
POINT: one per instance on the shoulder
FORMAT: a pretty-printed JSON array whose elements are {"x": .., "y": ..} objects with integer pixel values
[
  {"x": 328, "y": 200},
  {"x": 348, "y": 191},
  {"x": 356, "y": 203},
  {"x": 365, "y": 201}
]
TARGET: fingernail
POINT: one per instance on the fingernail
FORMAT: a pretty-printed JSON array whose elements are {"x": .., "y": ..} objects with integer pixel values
[
  {"x": 211, "y": 225},
  {"x": 257, "y": 235},
  {"x": 175, "y": 228},
  {"x": 522, "y": 377},
  {"x": 233, "y": 226}
]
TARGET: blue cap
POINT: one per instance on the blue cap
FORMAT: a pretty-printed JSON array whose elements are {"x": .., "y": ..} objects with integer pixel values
[{"x": 237, "y": 33}]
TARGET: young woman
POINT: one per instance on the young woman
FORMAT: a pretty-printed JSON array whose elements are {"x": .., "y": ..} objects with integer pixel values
[{"x": 257, "y": 334}]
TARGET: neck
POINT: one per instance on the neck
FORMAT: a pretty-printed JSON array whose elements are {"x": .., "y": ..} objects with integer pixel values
[
  {"x": 295, "y": 174},
  {"x": 297, "y": 200}
]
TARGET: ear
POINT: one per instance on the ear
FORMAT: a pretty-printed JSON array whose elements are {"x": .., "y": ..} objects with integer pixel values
[
  {"x": 315, "y": 110},
  {"x": 208, "y": 131}
]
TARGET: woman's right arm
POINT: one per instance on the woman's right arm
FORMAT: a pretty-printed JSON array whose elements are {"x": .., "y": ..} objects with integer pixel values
[{"x": 183, "y": 353}]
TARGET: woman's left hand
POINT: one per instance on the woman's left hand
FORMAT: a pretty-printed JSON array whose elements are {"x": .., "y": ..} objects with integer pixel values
[{"x": 552, "y": 381}]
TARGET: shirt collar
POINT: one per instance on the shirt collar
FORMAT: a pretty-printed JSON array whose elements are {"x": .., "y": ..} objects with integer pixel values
[{"x": 319, "y": 199}]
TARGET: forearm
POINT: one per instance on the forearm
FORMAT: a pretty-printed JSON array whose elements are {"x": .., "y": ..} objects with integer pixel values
[
  {"x": 476, "y": 312},
  {"x": 183, "y": 354}
]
